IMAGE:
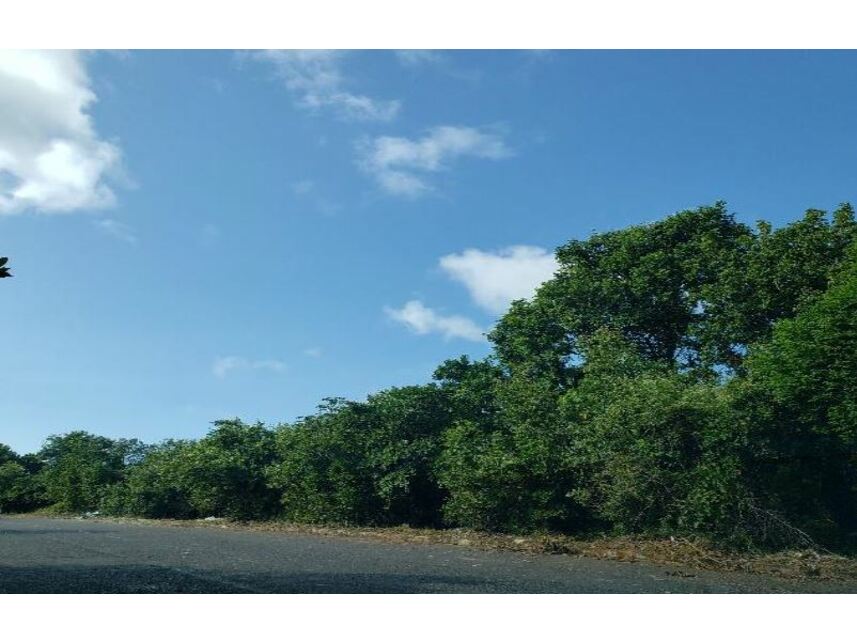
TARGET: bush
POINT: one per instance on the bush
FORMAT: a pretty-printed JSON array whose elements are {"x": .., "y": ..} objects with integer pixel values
[
  {"x": 802, "y": 394},
  {"x": 19, "y": 487},
  {"x": 222, "y": 474},
  {"x": 503, "y": 461},
  {"x": 368, "y": 462},
  {"x": 79, "y": 467},
  {"x": 153, "y": 487},
  {"x": 321, "y": 473}
]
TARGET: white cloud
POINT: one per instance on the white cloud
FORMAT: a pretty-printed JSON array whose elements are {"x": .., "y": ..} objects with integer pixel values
[
  {"x": 495, "y": 279},
  {"x": 117, "y": 229},
  {"x": 314, "y": 76},
  {"x": 422, "y": 321},
  {"x": 438, "y": 61},
  {"x": 51, "y": 159},
  {"x": 400, "y": 165},
  {"x": 222, "y": 366},
  {"x": 313, "y": 351},
  {"x": 417, "y": 57}
]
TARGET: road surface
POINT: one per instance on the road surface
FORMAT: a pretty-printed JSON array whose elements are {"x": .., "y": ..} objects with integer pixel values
[{"x": 41, "y": 555}]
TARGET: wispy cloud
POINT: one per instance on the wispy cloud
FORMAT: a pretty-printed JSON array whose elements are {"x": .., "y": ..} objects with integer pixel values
[
  {"x": 51, "y": 158},
  {"x": 313, "y": 351},
  {"x": 308, "y": 190},
  {"x": 222, "y": 366},
  {"x": 401, "y": 165},
  {"x": 418, "y": 57},
  {"x": 116, "y": 229},
  {"x": 423, "y": 320},
  {"x": 304, "y": 186},
  {"x": 314, "y": 76},
  {"x": 495, "y": 279},
  {"x": 438, "y": 61},
  {"x": 539, "y": 54}
]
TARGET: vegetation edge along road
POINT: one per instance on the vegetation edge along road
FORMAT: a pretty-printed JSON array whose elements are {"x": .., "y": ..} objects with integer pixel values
[{"x": 681, "y": 553}]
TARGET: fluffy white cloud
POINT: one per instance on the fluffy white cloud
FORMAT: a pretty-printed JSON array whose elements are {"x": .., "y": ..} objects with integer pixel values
[
  {"x": 495, "y": 279},
  {"x": 223, "y": 365},
  {"x": 400, "y": 165},
  {"x": 314, "y": 76},
  {"x": 422, "y": 321},
  {"x": 51, "y": 159}
]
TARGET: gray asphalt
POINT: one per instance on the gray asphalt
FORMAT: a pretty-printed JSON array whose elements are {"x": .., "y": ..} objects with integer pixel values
[{"x": 39, "y": 555}]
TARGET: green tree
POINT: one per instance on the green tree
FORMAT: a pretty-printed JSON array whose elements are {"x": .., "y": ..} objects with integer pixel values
[
  {"x": 154, "y": 486},
  {"x": 802, "y": 395},
  {"x": 649, "y": 282},
  {"x": 78, "y": 468},
  {"x": 322, "y": 473},
  {"x": 402, "y": 444},
  {"x": 7, "y": 454},
  {"x": 657, "y": 451},
  {"x": 19, "y": 486},
  {"x": 224, "y": 473},
  {"x": 781, "y": 271},
  {"x": 502, "y": 461},
  {"x": 693, "y": 290}
]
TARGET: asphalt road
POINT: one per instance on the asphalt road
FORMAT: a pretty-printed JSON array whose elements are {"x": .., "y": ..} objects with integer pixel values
[{"x": 39, "y": 555}]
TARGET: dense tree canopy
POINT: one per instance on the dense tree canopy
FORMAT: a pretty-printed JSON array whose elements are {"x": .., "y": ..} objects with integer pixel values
[
  {"x": 692, "y": 290},
  {"x": 694, "y": 375}
]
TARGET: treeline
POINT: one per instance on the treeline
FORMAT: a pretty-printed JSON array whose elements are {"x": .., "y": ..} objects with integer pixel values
[{"x": 690, "y": 376}]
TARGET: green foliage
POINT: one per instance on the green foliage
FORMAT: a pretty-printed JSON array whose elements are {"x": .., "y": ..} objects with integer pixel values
[
  {"x": 779, "y": 272},
  {"x": 658, "y": 452},
  {"x": 802, "y": 393},
  {"x": 154, "y": 486},
  {"x": 223, "y": 474},
  {"x": 649, "y": 282},
  {"x": 474, "y": 465},
  {"x": 79, "y": 467},
  {"x": 502, "y": 460},
  {"x": 7, "y": 454},
  {"x": 365, "y": 463},
  {"x": 694, "y": 289},
  {"x": 403, "y": 442},
  {"x": 619, "y": 398},
  {"x": 321, "y": 472},
  {"x": 20, "y": 488}
]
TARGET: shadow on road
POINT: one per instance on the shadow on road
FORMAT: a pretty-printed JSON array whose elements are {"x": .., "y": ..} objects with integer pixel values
[
  {"x": 30, "y": 532},
  {"x": 141, "y": 579}
]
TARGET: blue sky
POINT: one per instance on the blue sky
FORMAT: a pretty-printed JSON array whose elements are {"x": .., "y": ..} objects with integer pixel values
[{"x": 199, "y": 235}]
